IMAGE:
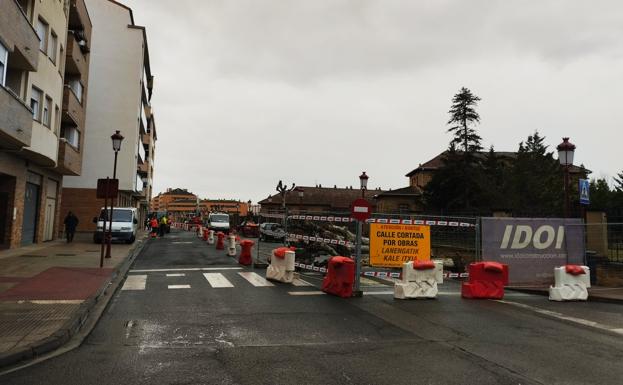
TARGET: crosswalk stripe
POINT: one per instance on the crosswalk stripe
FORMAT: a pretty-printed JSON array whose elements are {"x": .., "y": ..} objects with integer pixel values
[
  {"x": 300, "y": 282},
  {"x": 255, "y": 279},
  {"x": 305, "y": 293},
  {"x": 176, "y": 275},
  {"x": 179, "y": 286},
  {"x": 135, "y": 282},
  {"x": 217, "y": 280},
  {"x": 185, "y": 269}
]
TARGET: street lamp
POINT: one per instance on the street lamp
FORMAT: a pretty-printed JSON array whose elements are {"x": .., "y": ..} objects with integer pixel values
[
  {"x": 566, "y": 150},
  {"x": 116, "y": 138},
  {"x": 363, "y": 183}
]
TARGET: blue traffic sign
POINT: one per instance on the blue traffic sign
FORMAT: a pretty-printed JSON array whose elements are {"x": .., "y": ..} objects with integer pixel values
[{"x": 584, "y": 192}]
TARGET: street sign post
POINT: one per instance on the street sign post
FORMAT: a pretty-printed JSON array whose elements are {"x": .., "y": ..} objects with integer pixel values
[
  {"x": 360, "y": 210},
  {"x": 584, "y": 190}
]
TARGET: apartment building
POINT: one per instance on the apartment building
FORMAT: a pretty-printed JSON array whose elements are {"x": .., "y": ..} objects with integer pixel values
[
  {"x": 120, "y": 89},
  {"x": 32, "y": 50}
]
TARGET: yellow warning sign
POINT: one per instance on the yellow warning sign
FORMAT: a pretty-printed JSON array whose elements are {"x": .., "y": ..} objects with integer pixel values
[{"x": 392, "y": 245}]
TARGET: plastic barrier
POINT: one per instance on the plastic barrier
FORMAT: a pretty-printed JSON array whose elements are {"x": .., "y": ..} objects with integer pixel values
[
  {"x": 571, "y": 283},
  {"x": 204, "y": 234},
  {"x": 245, "y": 253},
  {"x": 419, "y": 280},
  {"x": 220, "y": 241},
  {"x": 486, "y": 280},
  {"x": 199, "y": 231},
  {"x": 281, "y": 267},
  {"x": 231, "y": 245},
  {"x": 210, "y": 237},
  {"x": 340, "y": 277}
]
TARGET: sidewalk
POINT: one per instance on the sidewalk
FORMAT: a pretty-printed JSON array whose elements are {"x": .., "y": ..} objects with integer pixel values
[{"x": 47, "y": 292}]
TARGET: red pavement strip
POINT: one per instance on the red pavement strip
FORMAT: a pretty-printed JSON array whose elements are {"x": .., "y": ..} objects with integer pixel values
[{"x": 59, "y": 283}]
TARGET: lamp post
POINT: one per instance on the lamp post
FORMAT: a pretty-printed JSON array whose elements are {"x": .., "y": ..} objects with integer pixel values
[
  {"x": 249, "y": 213},
  {"x": 363, "y": 185},
  {"x": 116, "y": 138},
  {"x": 283, "y": 190},
  {"x": 566, "y": 150}
]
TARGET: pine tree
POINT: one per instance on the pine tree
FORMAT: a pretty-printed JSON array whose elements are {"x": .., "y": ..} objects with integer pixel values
[
  {"x": 462, "y": 115},
  {"x": 618, "y": 182}
]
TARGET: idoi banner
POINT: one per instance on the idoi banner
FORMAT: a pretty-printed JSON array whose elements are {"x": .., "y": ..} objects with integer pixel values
[{"x": 532, "y": 247}]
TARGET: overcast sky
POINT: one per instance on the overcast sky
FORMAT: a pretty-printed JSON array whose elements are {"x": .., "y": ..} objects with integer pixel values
[{"x": 315, "y": 92}]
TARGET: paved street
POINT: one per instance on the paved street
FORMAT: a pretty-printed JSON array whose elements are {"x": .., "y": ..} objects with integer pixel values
[{"x": 188, "y": 314}]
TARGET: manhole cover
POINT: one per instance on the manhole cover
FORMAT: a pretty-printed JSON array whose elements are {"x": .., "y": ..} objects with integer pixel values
[
  {"x": 32, "y": 256},
  {"x": 65, "y": 255}
]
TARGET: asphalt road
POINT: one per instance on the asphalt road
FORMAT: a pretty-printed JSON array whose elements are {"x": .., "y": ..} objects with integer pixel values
[{"x": 182, "y": 328}]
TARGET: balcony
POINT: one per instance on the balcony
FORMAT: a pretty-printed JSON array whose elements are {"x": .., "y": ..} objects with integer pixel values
[
  {"x": 20, "y": 37},
  {"x": 69, "y": 159},
  {"x": 15, "y": 121},
  {"x": 73, "y": 112},
  {"x": 143, "y": 168},
  {"x": 76, "y": 62},
  {"x": 79, "y": 18}
]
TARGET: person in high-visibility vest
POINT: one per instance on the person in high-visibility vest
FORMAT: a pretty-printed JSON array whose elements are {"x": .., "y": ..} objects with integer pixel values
[{"x": 163, "y": 225}]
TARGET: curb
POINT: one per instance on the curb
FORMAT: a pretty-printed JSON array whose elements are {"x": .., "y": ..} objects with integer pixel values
[
  {"x": 77, "y": 320},
  {"x": 545, "y": 293}
]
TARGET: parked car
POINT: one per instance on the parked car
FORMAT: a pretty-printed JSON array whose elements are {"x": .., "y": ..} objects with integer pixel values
[
  {"x": 124, "y": 224},
  {"x": 272, "y": 231},
  {"x": 248, "y": 228}
]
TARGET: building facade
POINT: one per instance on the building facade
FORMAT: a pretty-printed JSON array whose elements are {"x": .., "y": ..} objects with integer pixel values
[
  {"x": 32, "y": 58},
  {"x": 120, "y": 89},
  {"x": 180, "y": 204}
]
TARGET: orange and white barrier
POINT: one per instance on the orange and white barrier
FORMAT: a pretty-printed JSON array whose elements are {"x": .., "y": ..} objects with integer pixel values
[
  {"x": 571, "y": 283},
  {"x": 211, "y": 237},
  {"x": 281, "y": 266},
  {"x": 419, "y": 280}
]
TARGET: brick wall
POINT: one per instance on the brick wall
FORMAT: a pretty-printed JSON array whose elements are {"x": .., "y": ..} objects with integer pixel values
[{"x": 83, "y": 203}]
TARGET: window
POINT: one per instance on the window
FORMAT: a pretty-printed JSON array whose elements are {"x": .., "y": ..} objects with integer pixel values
[
  {"x": 72, "y": 136},
  {"x": 35, "y": 103},
  {"x": 4, "y": 57},
  {"x": 52, "y": 47},
  {"x": 47, "y": 111},
  {"x": 42, "y": 32},
  {"x": 76, "y": 87}
]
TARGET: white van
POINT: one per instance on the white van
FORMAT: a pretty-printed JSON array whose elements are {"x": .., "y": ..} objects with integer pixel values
[
  {"x": 218, "y": 222},
  {"x": 124, "y": 224}
]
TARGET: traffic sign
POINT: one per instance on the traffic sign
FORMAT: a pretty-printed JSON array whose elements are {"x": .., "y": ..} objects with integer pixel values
[
  {"x": 107, "y": 188},
  {"x": 360, "y": 209},
  {"x": 584, "y": 192}
]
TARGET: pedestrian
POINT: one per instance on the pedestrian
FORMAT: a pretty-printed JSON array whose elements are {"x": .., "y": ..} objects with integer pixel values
[
  {"x": 154, "y": 226},
  {"x": 71, "y": 222},
  {"x": 163, "y": 225}
]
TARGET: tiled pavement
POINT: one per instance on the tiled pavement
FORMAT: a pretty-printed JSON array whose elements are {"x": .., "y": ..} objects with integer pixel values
[{"x": 47, "y": 291}]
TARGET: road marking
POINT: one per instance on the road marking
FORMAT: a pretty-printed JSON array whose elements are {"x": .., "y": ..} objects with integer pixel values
[
  {"x": 135, "y": 282},
  {"x": 378, "y": 292},
  {"x": 180, "y": 243},
  {"x": 185, "y": 269},
  {"x": 217, "y": 280},
  {"x": 307, "y": 293},
  {"x": 300, "y": 282},
  {"x": 179, "y": 286},
  {"x": 54, "y": 301},
  {"x": 255, "y": 279},
  {"x": 176, "y": 275},
  {"x": 579, "y": 321}
]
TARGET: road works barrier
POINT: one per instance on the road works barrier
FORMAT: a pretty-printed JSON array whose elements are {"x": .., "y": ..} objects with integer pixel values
[
  {"x": 571, "y": 283},
  {"x": 281, "y": 267},
  {"x": 486, "y": 280},
  {"x": 419, "y": 280}
]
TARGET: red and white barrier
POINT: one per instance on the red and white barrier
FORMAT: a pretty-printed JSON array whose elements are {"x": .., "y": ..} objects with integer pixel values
[
  {"x": 281, "y": 267},
  {"x": 571, "y": 283},
  {"x": 419, "y": 280},
  {"x": 486, "y": 280}
]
